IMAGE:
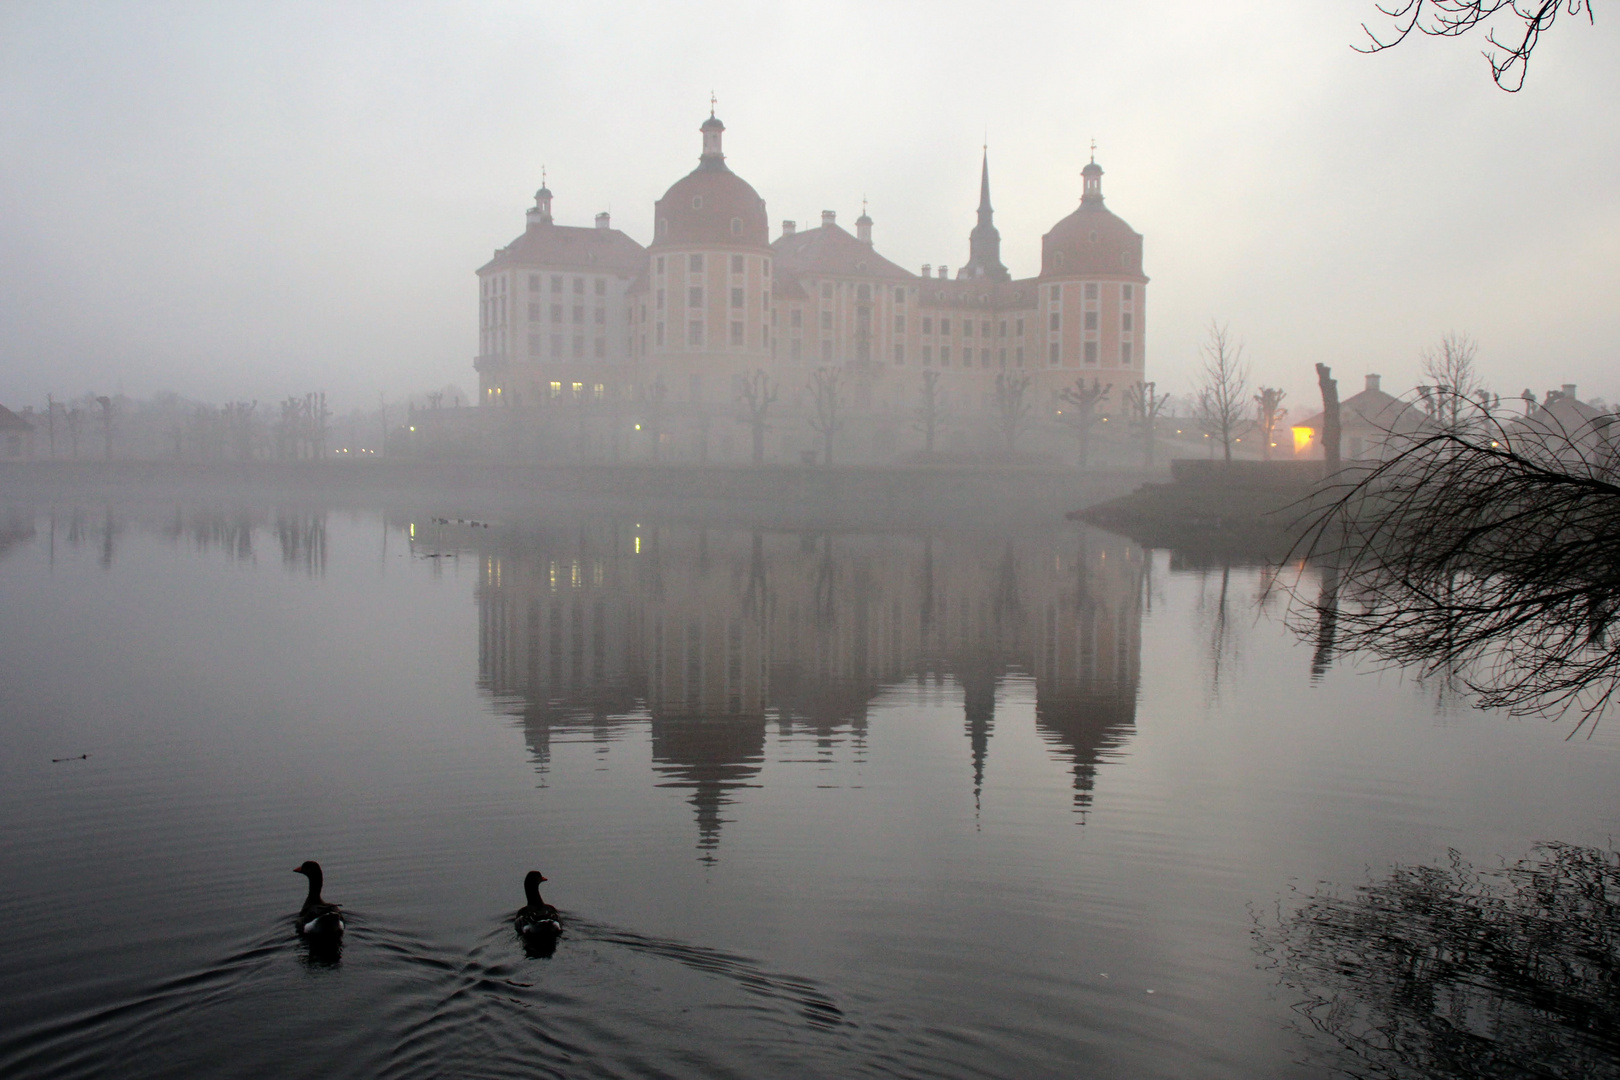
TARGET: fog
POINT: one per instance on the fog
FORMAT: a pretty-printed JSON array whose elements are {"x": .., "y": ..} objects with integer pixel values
[{"x": 245, "y": 203}]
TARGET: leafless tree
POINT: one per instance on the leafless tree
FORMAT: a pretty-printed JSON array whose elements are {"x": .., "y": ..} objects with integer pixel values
[
  {"x": 1081, "y": 414},
  {"x": 1269, "y": 412},
  {"x": 1223, "y": 388},
  {"x": 656, "y": 393},
  {"x": 106, "y": 425},
  {"x": 757, "y": 393},
  {"x": 1011, "y": 408},
  {"x": 1492, "y": 555},
  {"x": 1508, "y": 56},
  {"x": 75, "y": 416},
  {"x": 930, "y": 411},
  {"x": 1144, "y": 404},
  {"x": 827, "y": 420},
  {"x": 1451, "y": 399}
]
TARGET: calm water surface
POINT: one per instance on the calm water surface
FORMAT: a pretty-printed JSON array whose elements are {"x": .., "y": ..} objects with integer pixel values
[{"x": 1037, "y": 803}]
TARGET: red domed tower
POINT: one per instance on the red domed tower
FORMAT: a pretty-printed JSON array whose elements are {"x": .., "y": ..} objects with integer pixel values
[
  {"x": 707, "y": 303},
  {"x": 1093, "y": 293}
]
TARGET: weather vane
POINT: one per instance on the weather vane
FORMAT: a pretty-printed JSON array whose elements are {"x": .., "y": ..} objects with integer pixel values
[
  {"x": 1094, "y": 150},
  {"x": 712, "y": 103}
]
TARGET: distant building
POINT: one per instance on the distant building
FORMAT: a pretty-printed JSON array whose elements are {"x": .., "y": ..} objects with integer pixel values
[
  {"x": 1372, "y": 426},
  {"x": 579, "y": 315},
  {"x": 1566, "y": 426},
  {"x": 16, "y": 436}
]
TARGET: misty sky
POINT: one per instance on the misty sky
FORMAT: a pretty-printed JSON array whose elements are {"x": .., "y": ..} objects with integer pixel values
[{"x": 250, "y": 201}]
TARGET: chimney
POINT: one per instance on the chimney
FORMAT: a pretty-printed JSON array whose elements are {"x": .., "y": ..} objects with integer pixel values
[
  {"x": 943, "y": 273},
  {"x": 1372, "y": 382},
  {"x": 928, "y": 270},
  {"x": 602, "y": 220},
  {"x": 789, "y": 227},
  {"x": 1569, "y": 391},
  {"x": 829, "y": 217}
]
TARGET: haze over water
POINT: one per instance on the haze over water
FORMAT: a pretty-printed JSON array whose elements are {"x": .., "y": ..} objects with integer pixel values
[{"x": 1026, "y": 803}]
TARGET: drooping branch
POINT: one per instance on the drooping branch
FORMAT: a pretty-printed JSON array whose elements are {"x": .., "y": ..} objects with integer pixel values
[{"x": 1509, "y": 56}]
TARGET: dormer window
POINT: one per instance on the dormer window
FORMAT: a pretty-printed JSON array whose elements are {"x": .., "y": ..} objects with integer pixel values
[
  {"x": 1057, "y": 260},
  {"x": 697, "y": 204},
  {"x": 736, "y": 226},
  {"x": 663, "y": 226},
  {"x": 1094, "y": 237}
]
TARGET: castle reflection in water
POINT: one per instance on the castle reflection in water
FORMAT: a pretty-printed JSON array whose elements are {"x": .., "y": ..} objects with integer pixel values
[{"x": 712, "y": 634}]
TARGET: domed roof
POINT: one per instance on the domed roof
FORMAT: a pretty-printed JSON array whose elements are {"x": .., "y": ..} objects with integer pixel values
[
  {"x": 1093, "y": 239},
  {"x": 711, "y": 204}
]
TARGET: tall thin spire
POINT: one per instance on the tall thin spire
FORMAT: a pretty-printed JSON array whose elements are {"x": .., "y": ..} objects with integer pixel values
[{"x": 984, "y": 242}]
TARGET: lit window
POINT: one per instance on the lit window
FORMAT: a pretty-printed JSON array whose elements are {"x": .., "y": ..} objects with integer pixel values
[
  {"x": 577, "y": 387},
  {"x": 556, "y": 389},
  {"x": 599, "y": 391}
]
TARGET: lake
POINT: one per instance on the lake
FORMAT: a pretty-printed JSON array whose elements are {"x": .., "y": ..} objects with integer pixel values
[{"x": 1018, "y": 802}]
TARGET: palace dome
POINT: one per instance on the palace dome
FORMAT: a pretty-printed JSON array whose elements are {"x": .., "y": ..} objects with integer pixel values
[
  {"x": 711, "y": 205},
  {"x": 1093, "y": 239}
]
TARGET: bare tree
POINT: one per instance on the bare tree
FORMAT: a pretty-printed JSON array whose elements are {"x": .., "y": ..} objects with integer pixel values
[
  {"x": 1081, "y": 414},
  {"x": 75, "y": 416},
  {"x": 757, "y": 393},
  {"x": 106, "y": 426},
  {"x": 1011, "y": 408},
  {"x": 656, "y": 393},
  {"x": 1509, "y": 57},
  {"x": 1145, "y": 404},
  {"x": 826, "y": 421},
  {"x": 1451, "y": 402},
  {"x": 1492, "y": 555},
  {"x": 1269, "y": 412},
  {"x": 1223, "y": 387},
  {"x": 930, "y": 410}
]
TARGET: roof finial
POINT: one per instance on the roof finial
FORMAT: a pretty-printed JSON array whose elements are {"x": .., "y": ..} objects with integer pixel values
[
  {"x": 542, "y": 176},
  {"x": 863, "y": 206},
  {"x": 712, "y": 102},
  {"x": 1094, "y": 149}
]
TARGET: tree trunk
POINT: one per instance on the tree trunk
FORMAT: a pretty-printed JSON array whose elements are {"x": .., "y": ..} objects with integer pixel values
[{"x": 1330, "y": 417}]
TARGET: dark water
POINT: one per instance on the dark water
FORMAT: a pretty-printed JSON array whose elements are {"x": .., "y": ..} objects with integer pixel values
[{"x": 1035, "y": 803}]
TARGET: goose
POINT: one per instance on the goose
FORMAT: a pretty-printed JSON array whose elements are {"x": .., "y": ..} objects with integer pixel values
[
  {"x": 537, "y": 918},
  {"x": 317, "y": 917}
]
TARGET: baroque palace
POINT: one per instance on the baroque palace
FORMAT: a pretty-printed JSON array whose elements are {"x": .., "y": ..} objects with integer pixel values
[{"x": 612, "y": 349}]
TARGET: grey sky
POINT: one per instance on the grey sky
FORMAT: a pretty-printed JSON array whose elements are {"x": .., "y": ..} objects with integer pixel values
[{"x": 252, "y": 201}]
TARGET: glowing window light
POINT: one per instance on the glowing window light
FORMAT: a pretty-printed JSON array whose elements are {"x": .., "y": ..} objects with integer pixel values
[{"x": 1303, "y": 436}]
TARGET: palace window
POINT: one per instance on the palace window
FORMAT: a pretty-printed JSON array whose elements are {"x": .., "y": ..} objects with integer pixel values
[
  {"x": 601, "y": 348},
  {"x": 1018, "y": 354},
  {"x": 579, "y": 314},
  {"x": 534, "y": 344},
  {"x": 659, "y": 301},
  {"x": 534, "y": 282},
  {"x": 899, "y": 324},
  {"x": 579, "y": 286},
  {"x": 556, "y": 346},
  {"x": 1052, "y": 354},
  {"x": 1057, "y": 293},
  {"x": 1001, "y": 329},
  {"x": 694, "y": 263},
  {"x": 793, "y": 349},
  {"x": 556, "y": 283},
  {"x": 900, "y": 295},
  {"x": 1018, "y": 328},
  {"x": 579, "y": 346},
  {"x": 1056, "y": 321},
  {"x": 944, "y": 356},
  {"x": 601, "y": 286},
  {"x": 945, "y": 326},
  {"x": 1091, "y": 320},
  {"x": 826, "y": 320},
  {"x": 736, "y": 333},
  {"x": 864, "y": 292},
  {"x": 1091, "y": 290},
  {"x": 556, "y": 389},
  {"x": 694, "y": 332},
  {"x": 1130, "y": 292},
  {"x": 601, "y": 316},
  {"x": 1125, "y": 321},
  {"x": 694, "y": 296},
  {"x": 1091, "y": 352},
  {"x": 534, "y": 312},
  {"x": 736, "y": 298},
  {"x": 826, "y": 290},
  {"x": 660, "y": 264},
  {"x": 697, "y": 204},
  {"x": 1125, "y": 354},
  {"x": 984, "y": 357},
  {"x": 658, "y": 333},
  {"x": 928, "y": 326},
  {"x": 826, "y": 350},
  {"x": 899, "y": 353},
  {"x": 928, "y": 355},
  {"x": 798, "y": 318},
  {"x": 737, "y": 260}
]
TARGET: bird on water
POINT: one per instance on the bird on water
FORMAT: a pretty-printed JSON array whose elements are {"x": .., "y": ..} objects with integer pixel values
[
  {"x": 317, "y": 918},
  {"x": 537, "y": 919}
]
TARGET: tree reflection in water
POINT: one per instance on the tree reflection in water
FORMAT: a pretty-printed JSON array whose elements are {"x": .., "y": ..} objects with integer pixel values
[{"x": 1455, "y": 971}]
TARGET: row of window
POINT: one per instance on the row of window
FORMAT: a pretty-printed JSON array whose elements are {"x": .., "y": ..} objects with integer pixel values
[
  {"x": 598, "y": 347},
  {"x": 694, "y": 264}
]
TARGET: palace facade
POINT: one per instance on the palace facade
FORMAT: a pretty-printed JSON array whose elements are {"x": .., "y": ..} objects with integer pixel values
[{"x": 662, "y": 338}]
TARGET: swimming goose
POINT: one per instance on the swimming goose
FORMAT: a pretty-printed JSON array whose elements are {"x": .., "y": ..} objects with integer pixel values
[
  {"x": 537, "y": 918},
  {"x": 317, "y": 918}
]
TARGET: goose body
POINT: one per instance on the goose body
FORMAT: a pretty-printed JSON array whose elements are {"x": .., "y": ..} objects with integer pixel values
[
  {"x": 536, "y": 919},
  {"x": 317, "y": 918}
]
